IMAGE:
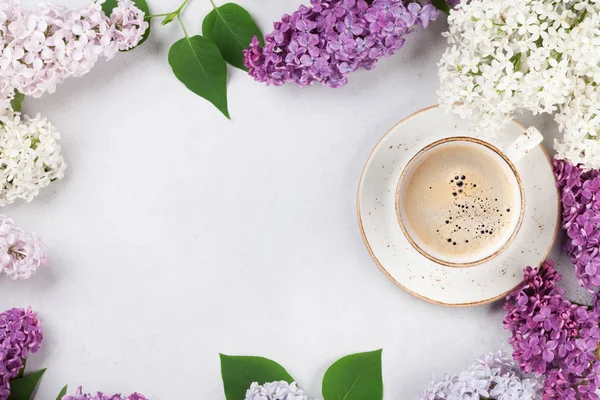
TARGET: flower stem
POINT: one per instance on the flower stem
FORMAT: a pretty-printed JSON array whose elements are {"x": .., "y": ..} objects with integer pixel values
[
  {"x": 176, "y": 12},
  {"x": 156, "y": 15},
  {"x": 182, "y": 6}
]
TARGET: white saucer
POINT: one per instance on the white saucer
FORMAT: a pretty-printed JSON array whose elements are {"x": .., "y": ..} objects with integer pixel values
[{"x": 406, "y": 266}]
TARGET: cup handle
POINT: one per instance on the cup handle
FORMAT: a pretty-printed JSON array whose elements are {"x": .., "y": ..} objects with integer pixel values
[{"x": 524, "y": 144}]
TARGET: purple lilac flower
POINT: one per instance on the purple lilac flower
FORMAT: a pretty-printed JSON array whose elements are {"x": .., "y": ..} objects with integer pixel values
[
  {"x": 20, "y": 335},
  {"x": 553, "y": 337},
  {"x": 333, "y": 38},
  {"x": 581, "y": 219},
  {"x": 101, "y": 396}
]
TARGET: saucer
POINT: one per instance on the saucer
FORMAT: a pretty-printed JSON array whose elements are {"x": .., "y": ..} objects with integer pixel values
[{"x": 424, "y": 278}]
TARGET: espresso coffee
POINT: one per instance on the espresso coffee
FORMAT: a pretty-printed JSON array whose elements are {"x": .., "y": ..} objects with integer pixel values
[{"x": 460, "y": 201}]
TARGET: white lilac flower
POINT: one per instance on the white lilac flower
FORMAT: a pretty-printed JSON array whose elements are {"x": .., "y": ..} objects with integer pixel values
[
  {"x": 275, "y": 391},
  {"x": 43, "y": 46},
  {"x": 537, "y": 55},
  {"x": 30, "y": 157},
  {"x": 494, "y": 376},
  {"x": 21, "y": 253}
]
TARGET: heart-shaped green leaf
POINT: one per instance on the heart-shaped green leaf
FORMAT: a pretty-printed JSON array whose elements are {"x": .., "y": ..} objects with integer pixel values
[
  {"x": 109, "y": 5},
  {"x": 231, "y": 28},
  {"x": 62, "y": 393},
  {"x": 16, "y": 103},
  {"x": 240, "y": 372},
  {"x": 23, "y": 388},
  {"x": 197, "y": 62},
  {"x": 354, "y": 377}
]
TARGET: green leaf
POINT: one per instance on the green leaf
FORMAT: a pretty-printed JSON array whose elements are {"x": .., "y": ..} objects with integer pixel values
[
  {"x": 109, "y": 5},
  {"x": 62, "y": 393},
  {"x": 239, "y": 372},
  {"x": 231, "y": 28},
  {"x": 23, "y": 388},
  {"x": 441, "y": 5},
  {"x": 198, "y": 64},
  {"x": 17, "y": 102},
  {"x": 354, "y": 377},
  {"x": 168, "y": 19}
]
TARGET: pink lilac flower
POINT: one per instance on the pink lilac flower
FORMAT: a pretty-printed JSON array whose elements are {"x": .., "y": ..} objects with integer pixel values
[
  {"x": 129, "y": 24},
  {"x": 553, "y": 337},
  {"x": 333, "y": 38},
  {"x": 20, "y": 335},
  {"x": 21, "y": 253},
  {"x": 102, "y": 396},
  {"x": 581, "y": 219},
  {"x": 41, "y": 47}
]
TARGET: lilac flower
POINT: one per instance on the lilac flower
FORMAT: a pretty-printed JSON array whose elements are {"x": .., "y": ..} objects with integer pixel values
[
  {"x": 42, "y": 47},
  {"x": 581, "y": 219},
  {"x": 275, "y": 391},
  {"x": 546, "y": 317},
  {"x": 30, "y": 156},
  {"x": 333, "y": 38},
  {"x": 129, "y": 24},
  {"x": 20, "y": 335},
  {"x": 21, "y": 253},
  {"x": 553, "y": 337},
  {"x": 494, "y": 376},
  {"x": 102, "y": 396},
  {"x": 531, "y": 348}
]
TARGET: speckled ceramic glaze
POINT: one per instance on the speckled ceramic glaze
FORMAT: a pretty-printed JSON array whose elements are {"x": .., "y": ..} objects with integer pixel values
[{"x": 404, "y": 264}]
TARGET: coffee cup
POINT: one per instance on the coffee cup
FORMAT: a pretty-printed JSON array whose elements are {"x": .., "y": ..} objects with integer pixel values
[{"x": 460, "y": 201}]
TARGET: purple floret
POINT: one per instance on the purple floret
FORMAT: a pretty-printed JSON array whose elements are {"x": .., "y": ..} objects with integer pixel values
[{"x": 333, "y": 38}]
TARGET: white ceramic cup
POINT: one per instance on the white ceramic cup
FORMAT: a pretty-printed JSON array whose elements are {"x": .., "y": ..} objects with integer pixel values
[{"x": 506, "y": 159}]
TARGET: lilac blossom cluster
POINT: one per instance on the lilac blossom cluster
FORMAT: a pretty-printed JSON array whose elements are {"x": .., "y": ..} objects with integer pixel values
[
  {"x": 20, "y": 335},
  {"x": 330, "y": 39},
  {"x": 553, "y": 337},
  {"x": 21, "y": 253},
  {"x": 79, "y": 395},
  {"x": 580, "y": 198},
  {"x": 494, "y": 376},
  {"x": 278, "y": 390},
  {"x": 43, "y": 46}
]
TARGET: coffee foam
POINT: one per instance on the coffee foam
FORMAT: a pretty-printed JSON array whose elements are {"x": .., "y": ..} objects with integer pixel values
[{"x": 461, "y": 202}]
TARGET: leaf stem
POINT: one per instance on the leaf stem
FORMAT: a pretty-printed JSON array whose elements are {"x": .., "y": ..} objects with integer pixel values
[
  {"x": 182, "y": 25},
  {"x": 213, "y": 4}
]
